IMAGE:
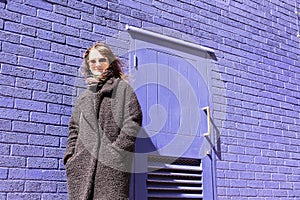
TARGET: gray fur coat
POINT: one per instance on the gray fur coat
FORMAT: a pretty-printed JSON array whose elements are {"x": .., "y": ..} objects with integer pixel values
[{"x": 101, "y": 144}]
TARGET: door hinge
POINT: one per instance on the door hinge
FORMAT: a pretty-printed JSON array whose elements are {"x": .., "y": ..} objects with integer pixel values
[{"x": 135, "y": 61}]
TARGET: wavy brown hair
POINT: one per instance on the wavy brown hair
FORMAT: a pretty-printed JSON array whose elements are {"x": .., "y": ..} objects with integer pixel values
[{"x": 114, "y": 62}]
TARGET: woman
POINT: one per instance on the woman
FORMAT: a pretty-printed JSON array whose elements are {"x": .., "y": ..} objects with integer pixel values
[{"x": 102, "y": 130}]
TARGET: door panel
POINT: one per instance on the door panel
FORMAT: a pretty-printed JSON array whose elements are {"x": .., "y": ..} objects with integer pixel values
[{"x": 172, "y": 91}]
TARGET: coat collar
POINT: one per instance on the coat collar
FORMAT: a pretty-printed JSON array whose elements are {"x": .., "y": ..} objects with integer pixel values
[{"x": 87, "y": 102}]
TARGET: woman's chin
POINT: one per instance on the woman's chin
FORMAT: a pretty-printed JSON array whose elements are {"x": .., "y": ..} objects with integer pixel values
[{"x": 97, "y": 73}]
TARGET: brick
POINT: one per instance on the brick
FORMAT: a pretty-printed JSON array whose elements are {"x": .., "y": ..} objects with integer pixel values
[
  {"x": 17, "y": 173},
  {"x": 131, "y": 4},
  {"x": 5, "y": 125},
  {"x": 63, "y": 142},
  {"x": 51, "y": 36},
  {"x": 33, "y": 63},
  {"x": 7, "y": 113},
  {"x": 271, "y": 184},
  {"x": 56, "y": 130},
  {"x": 91, "y": 36},
  {"x": 65, "y": 120},
  {"x": 80, "y": 24},
  {"x": 39, "y": 23},
  {"x": 7, "y": 102},
  {"x": 44, "y": 140},
  {"x": 117, "y": 43},
  {"x": 49, "y": 56},
  {"x": 11, "y": 186},
  {"x": 34, "y": 174},
  {"x": 223, "y": 183},
  {"x": 31, "y": 84},
  {"x": 61, "y": 165},
  {"x": 59, "y": 109},
  {"x": 11, "y": 161},
  {"x": 54, "y": 175},
  {"x": 268, "y": 153},
  {"x": 151, "y": 10},
  {"x": 238, "y": 183},
  {"x": 263, "y": 176},
  {"x": 48, "y": 76},
  {"x": 19, "y": 8},
  {"x": 245, "y": 159},
  {"x": 44, "y": 5},
  {"x": 171, "y": 17},
  {"x": 231, "y": 174},
  {"x": 106, "y": 14},
  {"x": 7, "y": 80},
  {"x": 17, "y": 49},
  {"x": 63, "y": 69},
  {"x": 8, "y": 58},
  {"x": 93, "y": 19},
  {"x": 13, "y": 138},
  {"x": 162, "y": 6},
  {"x": 28, "y": 127},
  {"x": 183, "y": 13},
  {"x": 11, "y": 16},
  {"x": 249, "y": 192},
  {"x": 4, "y": 149},
  {"x": 105, "y": 30},
  {"x": 291, "y": 163},
  {"x": 279, "y": 177},
  {"x": 237, "y": 166},
  {"x": 47, "y": 97},
  {"x": 62, "y": 188},
  {"x": 22, "y": 195},
  {"x": 44, "y": 118},
  {"x": 63, "y": 49},
  {"x": 34, "y": 42},
  {"x": 40, "y": 186},
  {"x": 49, "y": 196},
  {"x": 66, "y": 11},
  {"x": 80, "y": 6},
  {"x": 233, "y": 192},
  {"x": 65, "y": 30},
  {"x": 248, "y": 176},
  {"x": 19, "y": 28},
  {"x": 42, "y": 163},
  {"x": 118, "y": 8},
  {"x": 24, "y": 150},
  {"x": 54, "y": 152},
  {"x": 50, "y": 16},
  {"x": 270, "y": 169},
  {"x": 9, "y": 37},
  {"x": 15, "y": 92},
  {"x": 166, "y": 22},
  {"x": 17, "y": 71},
  {"x": 71, "y": 81},
  {"x": 236, "y": 149},
  {"x": 60, "y": 2},
  {"x": 131, "y": 21},
  {"x": 254, "y": 168},
  {"x": 99, "y": 3}
]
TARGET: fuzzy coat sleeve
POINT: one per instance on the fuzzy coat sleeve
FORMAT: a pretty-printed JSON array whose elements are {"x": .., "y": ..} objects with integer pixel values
[
  {"x": 73, "y": 132},
  {"x": 132, "y": 122}
]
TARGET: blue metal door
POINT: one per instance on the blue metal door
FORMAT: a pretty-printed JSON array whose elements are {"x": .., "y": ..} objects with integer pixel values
[{"x": 172, "y": 91}]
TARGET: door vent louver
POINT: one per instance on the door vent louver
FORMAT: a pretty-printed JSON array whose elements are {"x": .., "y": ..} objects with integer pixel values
[{"x": 174, "y": 178}]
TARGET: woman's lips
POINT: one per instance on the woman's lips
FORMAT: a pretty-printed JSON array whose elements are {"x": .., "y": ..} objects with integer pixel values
[{"x": 97, "y": 71}]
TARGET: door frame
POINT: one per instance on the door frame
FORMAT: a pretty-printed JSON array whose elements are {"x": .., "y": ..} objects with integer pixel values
[{"x": 152, "y": 40}]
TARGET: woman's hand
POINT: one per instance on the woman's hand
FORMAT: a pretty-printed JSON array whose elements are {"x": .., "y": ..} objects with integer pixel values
[{"x": 69, "y": 157}]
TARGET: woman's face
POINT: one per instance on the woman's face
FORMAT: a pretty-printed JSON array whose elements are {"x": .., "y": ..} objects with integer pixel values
[{"x": 97, "y": 62}]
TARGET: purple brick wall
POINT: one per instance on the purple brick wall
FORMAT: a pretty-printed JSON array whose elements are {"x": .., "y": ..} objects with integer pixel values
[{"x": 255, "y": 86}]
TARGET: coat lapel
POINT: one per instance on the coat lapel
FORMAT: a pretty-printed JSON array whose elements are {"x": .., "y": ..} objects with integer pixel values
[{"x": 87, "y": 103}]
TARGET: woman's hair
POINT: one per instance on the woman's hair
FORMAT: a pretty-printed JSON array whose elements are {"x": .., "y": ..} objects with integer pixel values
[{"x": 114, "y": 62}]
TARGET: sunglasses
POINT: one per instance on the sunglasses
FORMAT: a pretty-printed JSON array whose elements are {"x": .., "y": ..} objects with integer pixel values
[{"x": 94, "y": 61}]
